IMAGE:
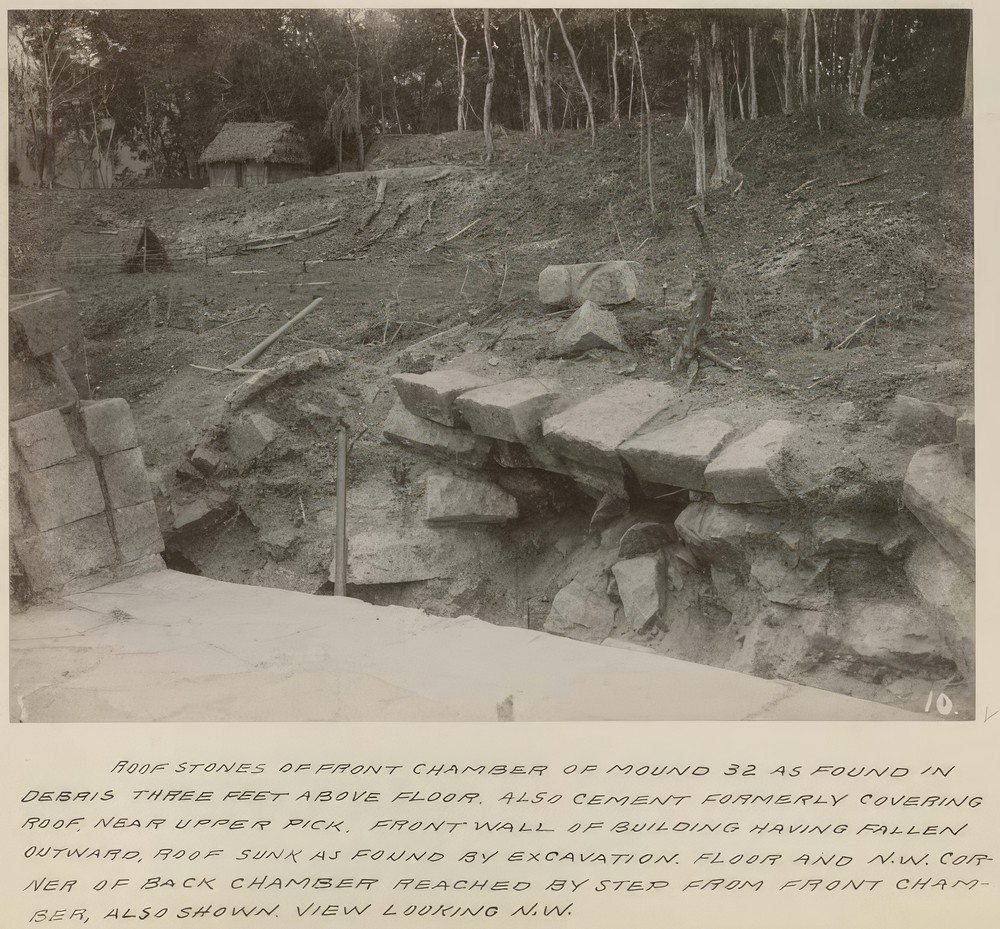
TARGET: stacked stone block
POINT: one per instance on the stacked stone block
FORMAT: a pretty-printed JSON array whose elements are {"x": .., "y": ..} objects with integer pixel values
[{"x": 81, "y": 503}]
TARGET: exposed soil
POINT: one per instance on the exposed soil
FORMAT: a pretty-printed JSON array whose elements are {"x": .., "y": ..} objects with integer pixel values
[{"x": 792, "y": 245}]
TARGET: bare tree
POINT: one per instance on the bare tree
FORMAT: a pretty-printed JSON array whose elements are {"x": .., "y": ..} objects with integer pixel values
[
  {"x": 490, "y": 76},
  {"x": 615, "y": 98},
  {"x": 550, "y": 120},
  {"x": 815, "y": 55},
  {"x": 786, "y": 51},
  {"x": 751, "y": 36},
  {"x": 857, "y": 55},
  {"x": 649, "y": 113},
  {"x": 696, "y": 120},
  {"x": 579, "y": 77},
  {"x": 803, "y": 68},
  {"x": 460, "y": 58},
  {"x": 532, "y": 66},
  {"x": 866, "y": 78},
  {"x": 723, "y": 169}
]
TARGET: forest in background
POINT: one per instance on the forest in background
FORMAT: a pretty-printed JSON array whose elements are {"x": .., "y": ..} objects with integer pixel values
[{"x": 163, "y": 82}]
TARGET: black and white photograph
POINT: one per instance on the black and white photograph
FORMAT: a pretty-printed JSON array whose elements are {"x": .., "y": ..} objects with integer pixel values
[{"x": 491, "y": 365}]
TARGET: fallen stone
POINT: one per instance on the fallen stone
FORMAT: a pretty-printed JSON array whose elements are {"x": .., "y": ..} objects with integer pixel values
[
  {"x": 398, "y": 556},
  {"x": 63, "y": 494},
  {"x": 940, "y": 494},
  {"x": 293, "y": 365},
  {"x": 751, "y": 470},
  {"x": 125, "y": 478},
  {"x": 432, "y": 396},
  {"x": 55, "y": 557},
  {"x": 109, "y": 426},
  {"x": 850, "y": 535},
  {"x": 676, "y": 454},
  {"x": 249, "y": 436},
  {"x": 921, "y": 423},
  {"x": 642, "y": 587},
  {"x": 207, "y": 460},
  {"x": 511, "y": 411},
  {"x": 951, "y": 597},
  {"x": 137, "y": 531},
  {"x": 589, "y": 327},
  {"x": 511, "y": 455},
  {"x": 43, "y": 440},
  {"x": 590, "y": 432},
  {"x": 804, "y": 585},
  {"x": 719, "y": 533},
  {"x": 898, "y": 635},
  {"x": 47, "y": 326},
  {"x": 603, "y": 282},
  {"x": 580, "y": 613},
  {"x": 416, "y": 362},
  {"x": 645, "y": 538},
  {"x": 965, "y": 433},
  {"x": 456, "y": 445},
  {"x": 452, "y": 499},
  {"x": 279, "y": 541},
  {"x": 201, "y": 512}
]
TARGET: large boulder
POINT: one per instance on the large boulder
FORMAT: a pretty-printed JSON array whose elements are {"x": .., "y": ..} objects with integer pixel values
[
  {"x": 940, "y": 494},
  {"x": 589, "y": 327},
  {"x": 604, "y": 282}
]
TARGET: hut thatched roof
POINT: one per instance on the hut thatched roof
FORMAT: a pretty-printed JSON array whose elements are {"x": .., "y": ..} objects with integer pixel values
[{"x": 276, "y": 143}]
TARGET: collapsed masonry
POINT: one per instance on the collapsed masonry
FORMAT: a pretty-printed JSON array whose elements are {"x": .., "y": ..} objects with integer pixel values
[
  {"x": 81, "y": 510},
  {"x": 784, "y": 556}
]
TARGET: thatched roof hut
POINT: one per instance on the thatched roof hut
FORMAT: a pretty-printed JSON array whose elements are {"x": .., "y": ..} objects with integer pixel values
[{"x": 246, "y": 154}]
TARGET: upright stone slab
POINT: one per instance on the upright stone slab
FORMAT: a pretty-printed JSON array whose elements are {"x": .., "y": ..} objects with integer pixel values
[
  {"x": 63, "y": 493},
  {"x": 432, "y": 396},
  {"x": 125, "y": 478},
  {"x": 940, "y": 494},
  {"x": 604, "y": 282},
  {"x": 138, "y": 531},
  {"x": 677, "y": 454},
  {"x": 57, "y": 556},
  {"x": 642, "y": 586},
  {"x": 511, "y": 411},
  {"x": 43, "y": 440},
  {"x": 589, "y": 327},
  {"x": 47, "y": 325},
  {"x": 580, "y": 613},
  {"x": 590, "y": 432},
  {"x": 749, "y": 470},
  {"x": 456, "y": 445},
  {"x": 452, "y": 499},
  {"x": 109, "y": 426}
]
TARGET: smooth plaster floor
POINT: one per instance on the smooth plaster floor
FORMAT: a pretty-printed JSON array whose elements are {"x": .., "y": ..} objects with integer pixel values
[{"x": 174, "y": 647}]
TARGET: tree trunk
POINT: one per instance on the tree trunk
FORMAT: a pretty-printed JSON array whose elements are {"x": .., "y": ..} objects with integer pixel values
[
  {"x": 697, "y": 116},
  {"x": 615, "y": 102},
  {"x": 866, "y": 78},
  {"x": 723, "y": 169},
  {"x": 357, "y": 121},
  {"x": 50, "y": 142},
  {"x": 490, "y": 75},
  {"x": 751, "y": 35},
  {"x": 736, "y": 74},
  {"x": 803, "y": 68},
  {"x": 967, "y": 103},
  {"x": 815, "y": 56},
  {"x": 649, "y": 114},
  {"x": 786, "y": 96},
  {"x": 854, "y": 69},
  {"x": 527, "y": 44},
  {"x": 460, "y": 57},
  {"x": 579, "y": 77},
  {"x": 550, "y": 118}
]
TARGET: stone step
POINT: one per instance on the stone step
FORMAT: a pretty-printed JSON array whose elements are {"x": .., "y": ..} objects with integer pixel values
[
  {"x": 512, "y": 411},
  {"x": 677, "y": 454}
]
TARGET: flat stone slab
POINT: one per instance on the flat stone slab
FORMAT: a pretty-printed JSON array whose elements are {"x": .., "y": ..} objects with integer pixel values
[
  {"x": 941, "y": 495},
  {"x": 60, "y": 555},
  {"x": 432, "y": 396},
  {"x": 590, "y": 432},
  {"x": 512, "y": 411},
  {"x": 109, "y": 425},
  {"x": 748, "y": 470},
  {"x": 457, "y": 445},
  {"x": 452, "y": 499},
  {"x": 259, "y": 654},
  {"x": 589, "y": 327},
  {"x": 604, "y": 282},
  {"x": 677, "y": 454},
  {"x": 63, "y": 493}
]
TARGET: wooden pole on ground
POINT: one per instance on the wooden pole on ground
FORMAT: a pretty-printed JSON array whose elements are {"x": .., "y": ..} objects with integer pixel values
[
  {"x": 340, "y": 560},
  {"x": 265, "y": 344}
]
